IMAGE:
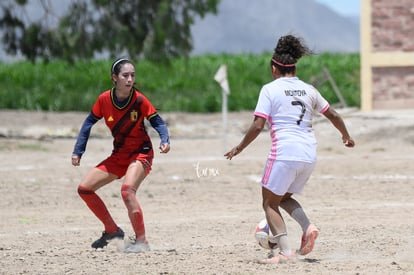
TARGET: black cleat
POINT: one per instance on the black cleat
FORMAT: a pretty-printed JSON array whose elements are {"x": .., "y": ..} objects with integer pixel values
[{"x": 103, "y": 241}]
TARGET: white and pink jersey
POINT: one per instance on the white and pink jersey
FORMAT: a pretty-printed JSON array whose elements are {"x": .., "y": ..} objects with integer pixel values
[{"x": 288, "y": 103}]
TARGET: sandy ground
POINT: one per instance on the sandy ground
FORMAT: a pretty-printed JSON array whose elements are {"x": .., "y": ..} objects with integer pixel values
[{"x": 200, "y": 209}]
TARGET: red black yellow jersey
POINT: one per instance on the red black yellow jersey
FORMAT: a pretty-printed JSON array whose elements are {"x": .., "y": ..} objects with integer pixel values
[{"x": 125, "y": 122}]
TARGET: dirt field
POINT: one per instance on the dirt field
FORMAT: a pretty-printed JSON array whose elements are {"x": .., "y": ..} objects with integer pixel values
[{"x": 200, "y": 209}]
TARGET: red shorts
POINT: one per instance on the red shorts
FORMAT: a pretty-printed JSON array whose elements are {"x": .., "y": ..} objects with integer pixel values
[{"x": 118, "y": 163}]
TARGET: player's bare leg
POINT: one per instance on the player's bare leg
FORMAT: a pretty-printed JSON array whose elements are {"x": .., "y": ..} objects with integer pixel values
[
  {"x": 133, "y": 178},
  {"x": 94, "y": 180},
  {"x": 310, "y": 232},
  {"x": 277, "y": 226}
]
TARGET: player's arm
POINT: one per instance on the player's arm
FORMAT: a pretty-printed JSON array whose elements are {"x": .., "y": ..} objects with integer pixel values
[
  {"x": 339, "y": 124},
  {"x": 255, "y": 128},
  {"x": 83, "y": 137},
  {"x": 161, "y": 127}
]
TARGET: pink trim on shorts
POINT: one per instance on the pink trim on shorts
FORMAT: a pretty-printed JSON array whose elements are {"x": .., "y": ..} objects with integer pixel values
[
  {"x": 267, "y": 171},
  {"x": 272, "y": 155}
]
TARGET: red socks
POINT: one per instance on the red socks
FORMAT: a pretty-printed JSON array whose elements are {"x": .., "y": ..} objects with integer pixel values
[
  {"x": 134, "y": 211},
  {"x": 97, "y": 206}
]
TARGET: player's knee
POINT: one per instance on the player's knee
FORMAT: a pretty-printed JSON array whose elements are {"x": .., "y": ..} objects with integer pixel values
[
  {"x": 128, "y": 192},
  {"x": 84, "y": 191}
]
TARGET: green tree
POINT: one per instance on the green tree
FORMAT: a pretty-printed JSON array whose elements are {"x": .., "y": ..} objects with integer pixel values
[{"x": 155, "y": 29}]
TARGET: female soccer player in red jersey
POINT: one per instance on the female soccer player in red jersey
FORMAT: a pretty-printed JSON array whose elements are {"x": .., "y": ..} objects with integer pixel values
[
  {"x": 124, "y": 109},
  {"x": 288, "y": 104}
]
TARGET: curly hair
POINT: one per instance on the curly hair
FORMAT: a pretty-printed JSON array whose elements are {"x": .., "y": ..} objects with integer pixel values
[{"x": 288, "y": 51}]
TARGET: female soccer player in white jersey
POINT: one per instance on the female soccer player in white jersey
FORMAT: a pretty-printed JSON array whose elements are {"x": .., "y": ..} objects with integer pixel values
[{"x": 287, "y": 104}]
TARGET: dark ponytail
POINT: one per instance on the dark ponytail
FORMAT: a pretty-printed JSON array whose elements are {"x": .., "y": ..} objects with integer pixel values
[{"x": 288, "y": 51}]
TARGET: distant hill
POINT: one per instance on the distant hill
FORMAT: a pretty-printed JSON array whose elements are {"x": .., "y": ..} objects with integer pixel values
[{"x": 253, "y": 26}]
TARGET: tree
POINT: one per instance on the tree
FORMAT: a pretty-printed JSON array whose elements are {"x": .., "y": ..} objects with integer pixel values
[{"x": 155, "y": 29}]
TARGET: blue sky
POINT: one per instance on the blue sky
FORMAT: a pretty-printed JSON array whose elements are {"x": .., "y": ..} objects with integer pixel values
[{"x": 344, "y": 7}]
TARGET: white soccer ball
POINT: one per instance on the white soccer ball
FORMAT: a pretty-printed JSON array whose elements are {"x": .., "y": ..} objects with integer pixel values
[{"x": 261, "y": 234}]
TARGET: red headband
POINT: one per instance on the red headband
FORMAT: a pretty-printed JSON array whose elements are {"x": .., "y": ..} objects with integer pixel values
[{"x": 283, "y": 65}]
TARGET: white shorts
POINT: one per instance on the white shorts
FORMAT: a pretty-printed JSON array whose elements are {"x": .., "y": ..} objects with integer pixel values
[{"x": 283, "y": 176}]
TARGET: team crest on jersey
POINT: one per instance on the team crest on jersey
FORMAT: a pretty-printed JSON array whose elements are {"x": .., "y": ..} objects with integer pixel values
[{"x": 134, "y": 115}]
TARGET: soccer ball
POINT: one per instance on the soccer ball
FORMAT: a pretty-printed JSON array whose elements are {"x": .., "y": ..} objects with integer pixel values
[{"x": 261, "y": 234}]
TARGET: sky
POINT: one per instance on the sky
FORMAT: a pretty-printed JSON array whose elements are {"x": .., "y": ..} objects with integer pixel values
[{"x": 344, "y": 7}]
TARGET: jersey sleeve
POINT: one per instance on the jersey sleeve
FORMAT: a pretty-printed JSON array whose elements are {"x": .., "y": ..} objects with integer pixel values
[
  {"x": 83, "y": 136},
  {"x": 97, "y": 107},
  {"x": 147, "y": 109},
  {"x": 263, "y": 106},
  {"x": 321, "y": 104},
  {"x": 159, "y": 125}
]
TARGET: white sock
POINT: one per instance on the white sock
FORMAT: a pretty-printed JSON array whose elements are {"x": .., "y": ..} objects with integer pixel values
[
  {"x": 282, "y": 241},
  {"x": 299, "y": 215}
]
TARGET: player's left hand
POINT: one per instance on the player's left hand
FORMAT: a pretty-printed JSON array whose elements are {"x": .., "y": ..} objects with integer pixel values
[
  {"x": 75, "y": 160},
  {"x": 164, "y": 148}
]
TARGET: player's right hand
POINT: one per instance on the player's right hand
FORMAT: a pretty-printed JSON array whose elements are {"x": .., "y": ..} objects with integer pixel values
[
  {"x": 349, "y": 142},
  {"x": 165, "y": 148},
  {"x": 75, "y": 160}
]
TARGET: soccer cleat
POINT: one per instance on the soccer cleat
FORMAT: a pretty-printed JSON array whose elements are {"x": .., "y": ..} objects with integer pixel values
[
  {"x": 308, "y": 240},
  {"x": 279, "y": 258},
  {"x": 103, "y": 240},
  {"x": 137, "y": 247}
]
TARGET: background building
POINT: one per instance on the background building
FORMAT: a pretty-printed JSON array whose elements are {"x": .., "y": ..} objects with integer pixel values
[{"x": 387, "y": 54}]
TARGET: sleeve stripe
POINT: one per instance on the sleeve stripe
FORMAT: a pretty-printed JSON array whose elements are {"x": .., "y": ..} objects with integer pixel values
[
  {"x": 153, "y": 115},
  {"x": 325, "y": 109},
  {"x": 261, "y": 115}
]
